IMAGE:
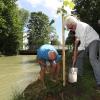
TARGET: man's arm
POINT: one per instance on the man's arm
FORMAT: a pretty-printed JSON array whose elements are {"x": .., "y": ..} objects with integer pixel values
[{"x": 75, "y": 51}]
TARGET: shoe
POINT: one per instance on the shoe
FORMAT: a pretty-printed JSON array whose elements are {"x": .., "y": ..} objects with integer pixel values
[{"x": 98, "y": 88}]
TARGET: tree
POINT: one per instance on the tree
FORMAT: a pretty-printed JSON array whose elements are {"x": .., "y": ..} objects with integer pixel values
[
  {"x": 70, "y": 40},
  {"x": 23, "y": 15},
  {"x": 88, "y": 11},
  {"x": 38, "y": 28},
  {"x": 9, "y": 21},
  {"x": 53, "y": 35},
  {"x": 11, "y": 27}
]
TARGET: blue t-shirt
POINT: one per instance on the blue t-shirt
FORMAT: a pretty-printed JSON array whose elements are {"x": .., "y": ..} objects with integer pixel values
[{"x": 42, "y": 52}]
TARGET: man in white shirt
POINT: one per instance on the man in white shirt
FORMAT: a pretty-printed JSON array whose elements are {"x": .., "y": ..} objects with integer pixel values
[{"x": 89, "y": 41}]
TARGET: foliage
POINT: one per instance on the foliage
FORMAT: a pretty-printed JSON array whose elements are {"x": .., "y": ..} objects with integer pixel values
[
  {"x": 7, "y": 27},
  {"x": 53, "y": 34},
  {"x": 70, "y": 41},
  {"x": 10, "y": 27},
  {"x": 82, "y": 90},
  {"x": 56, "y": 42},
  {"x": 17, "y": 96},
  {"x": 52, "y": 29},
  {"x": 38, "y": 26},
  {"x": 66, "y": 3},
  {"x": 71, "y": 38},
  {"x": 69, "y": 3},
  {"x": 23, "y": 15},
  {"x": 88, "y": 11}
]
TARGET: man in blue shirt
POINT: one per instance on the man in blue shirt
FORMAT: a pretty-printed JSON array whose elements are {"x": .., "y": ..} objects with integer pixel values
[{"x": 47, "y": 53}]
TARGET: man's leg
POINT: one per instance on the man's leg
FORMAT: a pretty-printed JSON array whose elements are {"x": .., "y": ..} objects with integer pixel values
[
  {"x": 99, "y": 52},
  {"x": 55, "y": 69},
  {"x": 94, "y": 48},
  {"x": 42, "y": 73},
  {"x": 58, "y": 70},
  {"x": 80, "y": 62},
  {"x": 43, "y": 69}
]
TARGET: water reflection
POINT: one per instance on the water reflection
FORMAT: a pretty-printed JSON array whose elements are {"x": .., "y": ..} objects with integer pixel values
[{"x": 16, "y": 72}]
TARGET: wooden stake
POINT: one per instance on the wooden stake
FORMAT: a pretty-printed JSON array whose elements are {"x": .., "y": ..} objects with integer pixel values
[{"x": 63, "y": 52}]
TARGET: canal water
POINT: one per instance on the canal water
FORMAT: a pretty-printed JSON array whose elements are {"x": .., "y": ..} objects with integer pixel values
[{"x": 16, "y": 73}]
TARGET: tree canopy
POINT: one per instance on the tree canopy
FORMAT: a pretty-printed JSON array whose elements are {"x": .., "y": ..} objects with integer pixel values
[
  {"x": 88, "y": 11},
  {"x": 38, "y": 29},
  {"x": 11, "y": 27}
]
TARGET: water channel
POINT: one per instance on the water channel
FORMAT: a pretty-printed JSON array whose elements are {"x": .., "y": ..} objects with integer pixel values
[{"x": 16, "y": 72}]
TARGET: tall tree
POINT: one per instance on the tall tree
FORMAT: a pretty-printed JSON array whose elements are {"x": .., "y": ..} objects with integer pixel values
[
  {"x": 7, "y": 36},
  {"x": 10, "y": 27},
  {"x": 38, "y": 26},
  {"x": 53, "y": 35},
  {"x": 24, "y": 16}
]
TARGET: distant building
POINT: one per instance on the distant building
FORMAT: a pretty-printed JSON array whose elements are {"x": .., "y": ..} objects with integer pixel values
[
  {"x": 25, "y": 41},
  {"x": 52, "y": 37}
]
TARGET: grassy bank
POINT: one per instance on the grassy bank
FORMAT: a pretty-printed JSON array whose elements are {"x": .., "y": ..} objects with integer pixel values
[{"x": 82, "y": 90}]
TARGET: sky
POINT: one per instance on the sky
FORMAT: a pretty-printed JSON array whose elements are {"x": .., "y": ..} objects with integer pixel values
[{"x": 48, "y": 7}]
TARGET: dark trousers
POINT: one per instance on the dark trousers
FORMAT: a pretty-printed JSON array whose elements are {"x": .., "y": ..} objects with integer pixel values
[{"x": 93, "y": 51}]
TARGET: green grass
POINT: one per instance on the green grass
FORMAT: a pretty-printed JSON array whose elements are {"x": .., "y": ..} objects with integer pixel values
[
  {"x": 82, "y": 90},
  {"x": 17, "y": 96}
]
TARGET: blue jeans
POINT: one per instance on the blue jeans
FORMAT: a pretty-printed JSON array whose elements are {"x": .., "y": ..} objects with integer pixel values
[{"x": 94, "y": 57}]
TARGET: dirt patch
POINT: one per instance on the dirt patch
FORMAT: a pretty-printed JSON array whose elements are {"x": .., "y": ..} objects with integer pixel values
[{"x": 55, "y": 91}]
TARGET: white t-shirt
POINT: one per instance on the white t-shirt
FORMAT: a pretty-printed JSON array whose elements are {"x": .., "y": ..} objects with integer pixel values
[{"x": 86, "y": 34}]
